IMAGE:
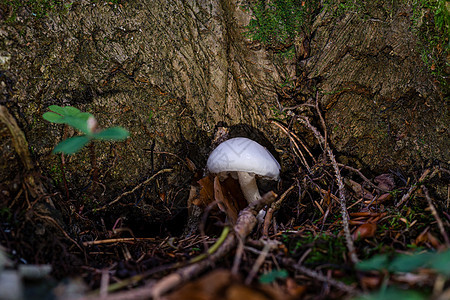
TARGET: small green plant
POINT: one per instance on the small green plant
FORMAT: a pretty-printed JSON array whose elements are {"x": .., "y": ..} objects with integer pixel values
[
  {"x": 439, "y": 262},
  {"x": 273, "y": 276},
  {"x": 84, "y": 122}
]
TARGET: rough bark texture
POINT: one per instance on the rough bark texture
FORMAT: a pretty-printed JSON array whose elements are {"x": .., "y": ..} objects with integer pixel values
[
  {"x": 382, "y": 106},
  {"x": 170, "y": 70},
  {"x": 166, "y": 70}
]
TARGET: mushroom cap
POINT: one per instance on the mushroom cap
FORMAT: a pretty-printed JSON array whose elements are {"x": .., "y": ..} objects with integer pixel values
[{"x": 243, "y": 155}]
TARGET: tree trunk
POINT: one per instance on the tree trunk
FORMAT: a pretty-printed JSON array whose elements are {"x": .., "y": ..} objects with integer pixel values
[{"x": 170, "y": 70}]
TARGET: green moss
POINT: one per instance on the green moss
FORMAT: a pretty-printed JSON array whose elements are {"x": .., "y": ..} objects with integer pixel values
[
  {"x": 41, "y": 8},
  {"x": 431, "y": 19},
  {"x": 276, "y": 23},
  {"x": 38, "y": 8},
  {"x": 326, "y": 247}
]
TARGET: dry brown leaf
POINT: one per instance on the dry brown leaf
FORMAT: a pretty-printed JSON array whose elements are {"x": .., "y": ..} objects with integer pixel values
[
  {"x": 236, "y": 291},
  {"x": 371, "y": 282},
  {"x": 385, "y": 181},
  {"x": 425, "y": 237},
  {"x": 222, "y": 285},
  {"x": 208, "y": 287},
  {"x": 433, "y": 240},
  {"x": 206, "y": 193},
  {"x": 365, "y": 231},
  {"x": 293, "y": 289},
  {"x": 383, "y": 198},
  {"x": 229, "y": 196},
  {"x": 227, "y": 193},
  {"x": 221, "y": 201},
  {"x": 359, "y": 190}
]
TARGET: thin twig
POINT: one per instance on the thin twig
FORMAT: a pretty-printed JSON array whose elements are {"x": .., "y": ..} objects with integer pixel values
[
  {"x": 133, "y": 190},
  {"x": 436, "y": 216},
  {"x": 238, "y": 257},
  {"x": 51, "y": 220},
  {"x": 259, "y": 261},
  {"x": 273, "y": 208},
  {"x": 293, "y": 139},
  {"x": 288, "y": 262},
  {"x": 366, "y": 180},
  {"x": 118, "y": 240},
  {"x": 413, "y": 188},
  {"x": 342, "y": 201},
  {"x": 322, "y": 121}
]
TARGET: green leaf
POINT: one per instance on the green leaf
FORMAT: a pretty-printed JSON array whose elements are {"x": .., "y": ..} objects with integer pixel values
[
  {"x": 68, "y": 115},
  {"x": 408, "y": 263},
  {"x": 53, "y": 117},
  {"x": 392, "y": 293},
  {"x": 441, "y": 262},
  {"x": 71, "y": 145},
  {"x": 79, "y": 122},
  {"x": 273, "y": 275},
  {"x": 376, "y": 263},
  {"x": 113, "y": 133},
  {"x": 57, "y": 109},
  {"x": 71, "y": 111}
]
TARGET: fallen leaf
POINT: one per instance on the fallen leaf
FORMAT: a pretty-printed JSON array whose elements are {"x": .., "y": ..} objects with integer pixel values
[
  {"x": 205, "y": 194},
  {"x": 222, "y": 285},
  {"x": 364, "y": 231},
  {"x": 359, "y": 190},
  {"x": 293, "y": 289},
  {"x": 244, "y": 292},
  {"x": 427, "y": 237},
  {"x": 385, "y": 182},
  {"x": 229, "y": 196},
  {"x": 371, "y": 282},
  {"x": 208, "y": 287},
  {"x": 433, "y": 240},
  {"x": 383, "y": 198}
]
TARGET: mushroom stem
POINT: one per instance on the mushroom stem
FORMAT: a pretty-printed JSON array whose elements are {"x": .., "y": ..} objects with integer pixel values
[{"x": 248, "y": 186}]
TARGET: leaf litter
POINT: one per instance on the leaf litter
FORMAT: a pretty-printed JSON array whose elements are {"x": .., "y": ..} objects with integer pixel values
[{"x": 395, "y": 243}]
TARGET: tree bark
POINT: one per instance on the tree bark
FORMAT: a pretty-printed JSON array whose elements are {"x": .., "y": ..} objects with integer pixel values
[{"x": 171, "y": 70}]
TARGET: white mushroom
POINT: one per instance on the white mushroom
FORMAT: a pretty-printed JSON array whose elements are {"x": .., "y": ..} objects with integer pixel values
[{"x": 244, "y": 158}]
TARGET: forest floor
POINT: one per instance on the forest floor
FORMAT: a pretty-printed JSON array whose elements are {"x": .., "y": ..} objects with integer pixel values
[{"x": 330, "y": 232}]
